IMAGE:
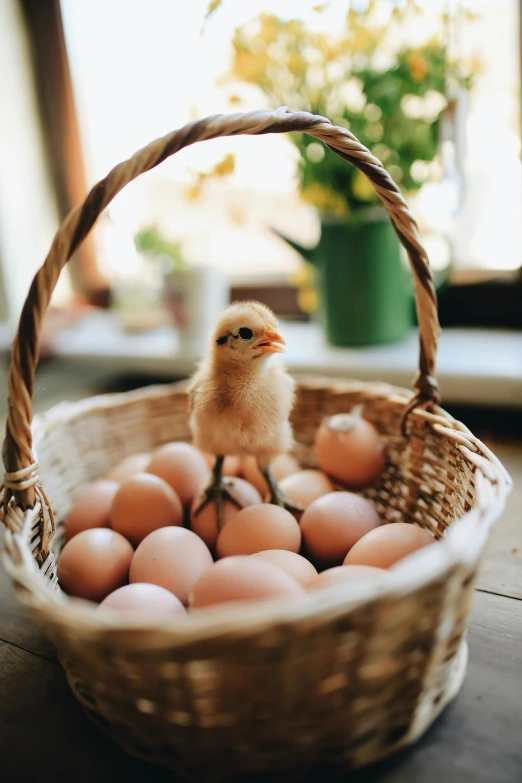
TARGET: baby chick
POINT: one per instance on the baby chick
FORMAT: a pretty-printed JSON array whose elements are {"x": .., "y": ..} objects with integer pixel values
[{"x": 240, "y": 398}]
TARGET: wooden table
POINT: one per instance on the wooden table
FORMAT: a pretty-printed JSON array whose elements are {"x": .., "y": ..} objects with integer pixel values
[{"x": 478, "y": 739}]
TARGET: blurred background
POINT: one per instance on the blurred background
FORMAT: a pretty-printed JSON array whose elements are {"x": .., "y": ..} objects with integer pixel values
[{"x": 431, "y": 87}]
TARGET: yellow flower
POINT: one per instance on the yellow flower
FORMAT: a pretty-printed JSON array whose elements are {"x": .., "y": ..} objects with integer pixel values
[
  {"x": 212, "y": 7},
  {"x": 477, "y": 65},
  {"x": 225, "y": 166},
  {"x": 325, "y": 200},
  {"x": 270, "y": 27},
  {"x": 303, "y": 278},
  {"x": 222, "y": 168},
  {"x": 362, "y": 187},
  {"x": 193, "y": 192},
  {"x": 471, "y": 16},
  {"x": 308, "y": 300},
  {"x": 364, "y": 40},
  {"x": 295, "y": 63},
  {"x": 418, "y": 66},
  {"x": 250, "y": 67}
]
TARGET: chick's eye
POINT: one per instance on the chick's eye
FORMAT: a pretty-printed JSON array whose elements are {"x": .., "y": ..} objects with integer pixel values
[{"x": 245, "y": 333}]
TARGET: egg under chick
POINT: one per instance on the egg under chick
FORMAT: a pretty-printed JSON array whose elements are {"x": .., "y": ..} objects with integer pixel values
[{"x": 241, "y": 397}]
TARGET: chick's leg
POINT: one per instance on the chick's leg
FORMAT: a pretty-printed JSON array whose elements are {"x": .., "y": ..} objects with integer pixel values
[
  {"x": 277, "y": 496},
  {"x": 217, "y": 491}
]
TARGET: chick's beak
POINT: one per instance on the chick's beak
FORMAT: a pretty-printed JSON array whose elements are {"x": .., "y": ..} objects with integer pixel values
[{"x": 271, "y": 342}]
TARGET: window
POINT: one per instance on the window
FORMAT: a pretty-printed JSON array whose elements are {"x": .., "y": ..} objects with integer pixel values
[
  {"x": 138, "y": 81},
  {"x": 142, "y": 70}
]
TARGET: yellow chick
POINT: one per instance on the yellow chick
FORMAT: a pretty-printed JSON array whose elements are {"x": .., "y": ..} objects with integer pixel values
[{"x": 241, "y": 398}]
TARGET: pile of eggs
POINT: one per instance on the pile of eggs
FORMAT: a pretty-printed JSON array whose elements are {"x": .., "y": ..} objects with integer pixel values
[{"x": 136, "y": 546}]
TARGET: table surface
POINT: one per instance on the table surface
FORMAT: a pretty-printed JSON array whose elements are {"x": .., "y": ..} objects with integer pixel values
[
  {"x": 44, "y": 733},
  {"x": 477, "y": 366}
]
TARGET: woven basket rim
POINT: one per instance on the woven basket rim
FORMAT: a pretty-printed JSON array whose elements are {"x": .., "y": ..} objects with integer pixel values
[
  {"x": 460, "y": 547},
  {"x": 73, "y": 408}
]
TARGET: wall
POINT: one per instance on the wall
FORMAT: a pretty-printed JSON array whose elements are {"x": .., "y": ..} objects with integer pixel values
[{"x": 28, "y": 215}]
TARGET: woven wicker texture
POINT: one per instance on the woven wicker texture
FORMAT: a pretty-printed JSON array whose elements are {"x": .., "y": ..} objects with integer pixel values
[{"x": 345, "y": 675}]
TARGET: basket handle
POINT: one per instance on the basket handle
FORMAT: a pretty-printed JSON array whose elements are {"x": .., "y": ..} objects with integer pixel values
[{"x": 21, "y": 479}]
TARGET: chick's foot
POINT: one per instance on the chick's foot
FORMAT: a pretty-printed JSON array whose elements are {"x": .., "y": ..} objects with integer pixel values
[
  {"x": 217, "y": 492},
  {"x": 277, "y": 496}
]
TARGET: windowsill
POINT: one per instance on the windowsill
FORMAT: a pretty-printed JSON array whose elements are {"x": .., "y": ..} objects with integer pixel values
[
  {"x": 458, "y": 276},
  {"x": 475, "y": 366}
]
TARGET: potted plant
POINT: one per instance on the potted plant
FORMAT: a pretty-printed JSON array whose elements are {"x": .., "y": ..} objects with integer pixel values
[
  {"x": 170, "y": 263},
  {"x": 392, "y": 96},
  {"x": 193, "y": 295}
]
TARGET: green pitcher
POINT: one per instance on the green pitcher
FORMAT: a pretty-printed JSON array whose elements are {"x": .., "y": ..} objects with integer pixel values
[{"x": 364, "y": 288}]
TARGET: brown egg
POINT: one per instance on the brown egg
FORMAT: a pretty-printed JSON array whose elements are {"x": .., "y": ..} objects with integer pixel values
[
  {"x": 252, "y": 474},
  {"x": 173, "y": 558},
  {"x": 295, "y": 565},
  {"x": 306, "y": 486},
  {"x": 136, "y": 463},
  {"x": 257, "y": 528},
  {"x": 231, "y": 465},
  {"x": 144, "y": 503},
  {"x": 205, "y": 523},
  {"x": 343, "y": 574},
  {"x": 183, "y": 467},
  {"x": 94, "y": 563},
  {"x": 144, "y": 601},
  {"x": 387, "y": 544},
  {"x": 242, "y": 579},
  {"x": 91, "y": 508},
  {"x": 350, "y": 450},
  {"x": 331, "y": 525},
  {"x": 284, "y": 465},
  {"x": 281, "y": 466}
]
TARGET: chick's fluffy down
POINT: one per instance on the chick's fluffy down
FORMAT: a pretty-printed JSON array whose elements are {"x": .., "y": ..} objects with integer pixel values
[{"x": 236, "y": 413}]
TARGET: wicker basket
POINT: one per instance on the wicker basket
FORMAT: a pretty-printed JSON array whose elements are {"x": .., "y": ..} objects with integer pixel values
[{"x": 346, "y": 676}]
